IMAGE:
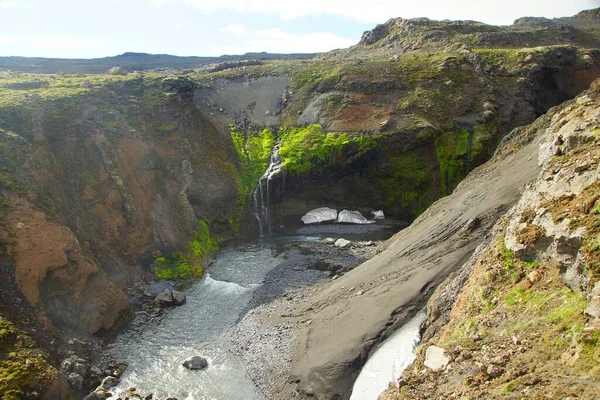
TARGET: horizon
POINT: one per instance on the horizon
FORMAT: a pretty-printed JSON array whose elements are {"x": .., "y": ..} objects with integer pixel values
[{"x": 195, "y": 28}]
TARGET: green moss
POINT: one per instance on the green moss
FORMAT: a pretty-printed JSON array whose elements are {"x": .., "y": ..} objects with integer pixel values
[
  {"x": 309, "y": 148},
  {"x": 191, "y": 263},
  {"x": 452, "y": 150},
  {"x": 16, "y": 378},
  {"x": 407, "y": 181},
  {"x": 254, "y": 151}
]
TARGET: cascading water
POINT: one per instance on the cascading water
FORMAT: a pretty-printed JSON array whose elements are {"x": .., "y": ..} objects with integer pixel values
[{"x": 262, "y": 192}]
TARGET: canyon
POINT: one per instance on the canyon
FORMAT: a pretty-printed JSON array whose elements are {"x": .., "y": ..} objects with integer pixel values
[{"x": 112, "y": 179}]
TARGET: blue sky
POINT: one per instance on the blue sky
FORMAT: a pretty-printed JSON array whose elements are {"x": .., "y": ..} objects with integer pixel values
[{"x": 90, "y": 28}]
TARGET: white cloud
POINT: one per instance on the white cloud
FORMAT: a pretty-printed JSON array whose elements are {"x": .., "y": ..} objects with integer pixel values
[
  {"x": 374, "y": 11},
  {"x": 278, "y": 41},
  {"x": 65, "y": 42},
  {"x": 234, "y": 28},
  {"x": 8, "y": 4}
]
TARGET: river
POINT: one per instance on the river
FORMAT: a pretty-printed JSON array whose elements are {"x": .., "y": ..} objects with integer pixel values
[{"x": 242, "y": 272}]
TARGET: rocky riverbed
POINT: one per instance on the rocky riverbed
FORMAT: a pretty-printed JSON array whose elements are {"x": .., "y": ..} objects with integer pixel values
[{"x": 277, "y": 273}]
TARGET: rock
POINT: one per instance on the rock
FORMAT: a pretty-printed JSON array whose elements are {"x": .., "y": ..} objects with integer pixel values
[
  {"x": 66, "y": 365},
  {"x": 343, "y": 243},
  {"x": 116, "y": 71},
  {"x": 95, "y": 371},
  {"x": 352, "y": 217},
  {"x": 75, "y": 380},
  {"x": 318, "y": 215},
  {"x": 378, "y": 214},
  {"x": 86, "y": 84},
  {"x": 178, "y": 298},
  {"x": 149, "y": 397},
  {"x": 494, "y": 371},
  {"x": 435, "y": 358},
  {"x": 593, "y": 308},
  {"x": 164, "y": 298},
  {"x": 108, "y": 382},
  {"x": 329, "y": 240},
  {"x": 534, "y": 276},
  {"x": 80, "y": 368},
  {"x": 195, "y": 362}
]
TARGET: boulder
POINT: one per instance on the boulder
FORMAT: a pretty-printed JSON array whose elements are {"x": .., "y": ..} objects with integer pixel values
[
  {"x": 378, "y": 214},
  {"x": 329, "y": 240},
  {"x": 352, "y": 217},
  {"x": 195, "y": 362},
  {"x": 108, "y": 382},
  {"x": 318, "y": 215},
  {"x": 80, "y": 368},
  {"x": 435, "y": 358},
  {"x": 178, "y": 298},
  {"x": 164, "y": 298},
  {"x": 116, "y": 71},
  {"x": 75, "y": 380},
  {"x": 343, "y": 243}
]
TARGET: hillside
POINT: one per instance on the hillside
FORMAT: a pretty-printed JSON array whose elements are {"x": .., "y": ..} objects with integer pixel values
[{"x": 110, "y": 180}]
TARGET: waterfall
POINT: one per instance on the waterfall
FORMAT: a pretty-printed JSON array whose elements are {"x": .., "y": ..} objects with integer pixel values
[{"x": 262, "y": 194}]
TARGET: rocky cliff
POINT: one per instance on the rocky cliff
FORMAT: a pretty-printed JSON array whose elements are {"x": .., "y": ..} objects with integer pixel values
[{"x": 521, "y": 316}]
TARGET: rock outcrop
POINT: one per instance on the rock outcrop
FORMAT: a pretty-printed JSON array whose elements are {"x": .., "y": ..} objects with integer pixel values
[{"x": 534, "y": 278}]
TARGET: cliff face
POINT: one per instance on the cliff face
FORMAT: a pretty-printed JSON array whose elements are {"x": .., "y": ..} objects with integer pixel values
[
  {"x": 521, "y": 317},
  {"x": 95, "y": 182}
]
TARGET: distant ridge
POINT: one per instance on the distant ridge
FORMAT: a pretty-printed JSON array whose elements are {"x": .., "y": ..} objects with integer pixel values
[{"x": 130, "y": 61}]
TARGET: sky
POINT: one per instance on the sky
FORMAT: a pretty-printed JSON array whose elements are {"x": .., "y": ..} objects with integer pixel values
[{"x": 92, "y": 28}]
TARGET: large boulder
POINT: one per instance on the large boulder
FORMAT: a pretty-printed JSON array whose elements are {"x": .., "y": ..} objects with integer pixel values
[
  {"x": 353, "y": 217},
  {"x": 435, "y": 358},
  {"x": 178, "y": 298},
  {"x": 165, "y": 298},
  {"x": 195, "y": 362},
  {"x": 318, "y": 215}
]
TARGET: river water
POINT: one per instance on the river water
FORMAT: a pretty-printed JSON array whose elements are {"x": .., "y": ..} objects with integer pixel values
[
  {"x": 389, "y": 360},
  {"x": 241, "y": 273}
]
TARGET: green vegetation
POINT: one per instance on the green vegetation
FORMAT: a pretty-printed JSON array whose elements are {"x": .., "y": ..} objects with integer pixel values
[
  {"x": 191, "y": 263},
  {"x": 309, "y": 148},
  {"x": 254, "y": 151},
  {"x": 17, "y": 376},
  {"x": 452, "y": 150},
  {"x": 407, "y": 181}
]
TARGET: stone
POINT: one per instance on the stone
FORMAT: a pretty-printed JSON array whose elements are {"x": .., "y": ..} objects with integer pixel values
[
  {"x": 164, "y": 298},
  {"x": 66, "y": 365},
  {"x": 329, "y": 240},
  {"x": 149, "y": 397},
  {"x": 108, "y": 382},
  {"x": 195, "y": 362},
  {"x": 494, "y": 371},
  {"x": 343, "y": 243},
  {"x": 378, "y": 214},
  {"x": 318, "y": 215},
  {"x": 178, "y": 297},
  {"x": 86, "y": 84},
  {"x": 352, "y": 217},
  {"x": 80, "y": 368},
  {"x": 534, "y": 276},
  {"x": 116, "y": 71},
  {"x": 75, "y": 380},
  {"x": 435, "y": 358}
]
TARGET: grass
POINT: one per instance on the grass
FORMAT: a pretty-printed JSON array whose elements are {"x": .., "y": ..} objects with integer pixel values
[{"x": 191, "y": 263}]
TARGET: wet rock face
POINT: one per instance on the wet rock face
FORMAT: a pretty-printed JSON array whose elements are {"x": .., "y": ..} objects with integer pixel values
[{"x": 195, "y": 362}]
